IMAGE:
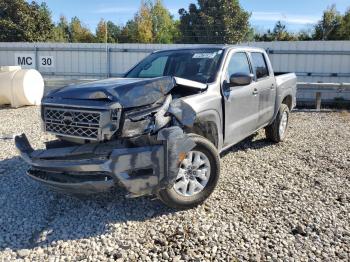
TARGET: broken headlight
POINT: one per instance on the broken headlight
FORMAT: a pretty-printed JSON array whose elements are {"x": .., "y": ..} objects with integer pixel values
[{"x": 146, "y": 119}]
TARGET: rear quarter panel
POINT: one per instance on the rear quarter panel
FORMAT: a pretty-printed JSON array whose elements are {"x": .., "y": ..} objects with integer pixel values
[{"x": 286, "y": 86}]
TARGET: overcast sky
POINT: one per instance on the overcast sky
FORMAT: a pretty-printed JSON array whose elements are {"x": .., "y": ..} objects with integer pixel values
[{"x": 297, "y": 14}]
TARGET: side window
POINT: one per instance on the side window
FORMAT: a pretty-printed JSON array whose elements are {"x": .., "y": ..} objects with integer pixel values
[
  {"x": 238, "y": 64},
  {"x": 154, "y": 69},
  {"x": 260, "y": 66}
]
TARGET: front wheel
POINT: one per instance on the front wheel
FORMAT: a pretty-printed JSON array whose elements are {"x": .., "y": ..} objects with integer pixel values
[
  {"x": 197, "y": 177},
  {"x": 277, "y": 131}
]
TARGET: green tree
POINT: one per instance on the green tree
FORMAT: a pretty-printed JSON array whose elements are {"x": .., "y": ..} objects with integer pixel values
[
  {"x": 129, "y": 32},
  {"x": 61, "y": 31},
  {"x": 177, "y": 36},
  {"x": 163, "y": 26},
  {"x": 22, "y": 21},
  {"x": 191, "y": 25},
  {"x": 144, "y": 23},
  {"x": 151, "y": 24},
  {"x": 328, "y": 27},
  {"x": 214, "y": 21},
  {"x": 344, "y": 30},
  {"x": 305, "y": 35},
  {"x": 43, "y": 25},
  {"x": 280, "y": 33},
  {"x": 101, "y": 32},
  {"x": 114, "y": 32},
  {"x": 265, "y": 37},
  {"x": 80, "y": 33},
  {"x": 107, "y": 29}
]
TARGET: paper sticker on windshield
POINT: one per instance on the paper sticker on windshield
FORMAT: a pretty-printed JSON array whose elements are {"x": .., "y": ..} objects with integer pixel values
[{"x": 204, "y": 55}]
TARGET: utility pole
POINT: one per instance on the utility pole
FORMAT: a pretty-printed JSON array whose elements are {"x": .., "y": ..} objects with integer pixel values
[{"x": 107, "y": 51}]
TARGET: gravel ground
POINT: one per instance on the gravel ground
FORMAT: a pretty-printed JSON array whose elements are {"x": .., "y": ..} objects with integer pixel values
[{"x": 286, "y": 202}]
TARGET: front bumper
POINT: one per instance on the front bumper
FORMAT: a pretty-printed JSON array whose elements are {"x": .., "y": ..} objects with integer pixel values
[{"x": 94, "y": 168}]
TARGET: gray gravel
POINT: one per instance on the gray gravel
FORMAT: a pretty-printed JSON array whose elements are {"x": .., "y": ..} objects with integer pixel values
[{"x": 286, "y": 202}]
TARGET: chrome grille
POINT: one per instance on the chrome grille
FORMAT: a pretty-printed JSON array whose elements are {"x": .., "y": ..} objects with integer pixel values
[
  {"x": 82, "y": 132},
  {"x": 70, "y": 122}
]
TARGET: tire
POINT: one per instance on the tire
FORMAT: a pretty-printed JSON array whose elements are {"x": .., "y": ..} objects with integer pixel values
[
  {"x": 174, "y": 199},
  {"x": 273, "y": 131}
]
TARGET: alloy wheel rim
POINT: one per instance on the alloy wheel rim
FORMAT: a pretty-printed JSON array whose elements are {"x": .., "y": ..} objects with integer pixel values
[
  {"x": 283, "y": 124},
  {"x": 194, "y": 174}
]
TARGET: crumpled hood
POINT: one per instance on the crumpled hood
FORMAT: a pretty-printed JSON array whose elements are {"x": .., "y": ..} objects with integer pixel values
[{"x": 128, "y": 92}]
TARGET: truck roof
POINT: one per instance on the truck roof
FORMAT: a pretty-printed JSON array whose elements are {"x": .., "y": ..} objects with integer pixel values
[{"x": 223, "y": 47}]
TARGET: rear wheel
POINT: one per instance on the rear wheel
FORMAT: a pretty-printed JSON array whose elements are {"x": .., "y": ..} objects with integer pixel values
[
  {"x": 277, "y": 131},
  {"x": 197, "y": 177}
]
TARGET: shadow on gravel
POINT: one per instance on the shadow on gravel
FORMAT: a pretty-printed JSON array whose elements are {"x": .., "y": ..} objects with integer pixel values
[
  {"x": 248, "y": 143},
  {"x": 32, "y": 215},
  {"x": 5, "y": 107}
]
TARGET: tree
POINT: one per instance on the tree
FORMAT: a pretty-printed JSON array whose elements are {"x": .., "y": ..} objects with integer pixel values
[
  {"x": 101, "y": 32},
  {"x": 265, "y": 37},
  {"x": 114, "y": 32},
  {"x": 151, "y": 24},
  {"x": 344, "y": 30},
  {"x": 163, "y": 26},
  {"x": 139, "y": 29},
  {"x": 129, "y": 32},
  {"x": 21, "y": 21},
  {"x": 328, "y": 27},
  {"x": 214, "y": 21},
  {"x": 61, "y": 31},
  {"x": 43, "y": 25},
  {"x": 191, "y": 25},
  {"x": 279, "y": 33},
  {"x": 305, "y": 35},
  {"x": 79, "y": 33},
  {"x": 144, "y": 23}
]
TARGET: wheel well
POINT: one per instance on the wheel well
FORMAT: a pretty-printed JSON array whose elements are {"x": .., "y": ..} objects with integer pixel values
[
  {"x": 288, "y": 101},
  {"x": 207, "y": 130}
]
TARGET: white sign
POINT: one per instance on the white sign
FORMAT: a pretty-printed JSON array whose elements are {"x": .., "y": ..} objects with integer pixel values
[
  {"x": 46, "y": 61},
  {"x": 25, "y": 60},
  {"x": 205, "y": 55}
]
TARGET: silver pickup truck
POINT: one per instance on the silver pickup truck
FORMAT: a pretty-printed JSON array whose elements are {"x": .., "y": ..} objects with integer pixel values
[{"x": 159, "y": 130}]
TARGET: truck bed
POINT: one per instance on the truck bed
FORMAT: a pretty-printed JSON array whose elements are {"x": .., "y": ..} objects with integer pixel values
[{"x": 287, "y": 82}]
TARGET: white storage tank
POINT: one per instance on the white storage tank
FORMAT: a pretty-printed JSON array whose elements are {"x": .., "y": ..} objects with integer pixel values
[{"x": 20, "y": 87}]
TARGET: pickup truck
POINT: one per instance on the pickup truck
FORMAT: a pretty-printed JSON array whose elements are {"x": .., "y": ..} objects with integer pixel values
[{"x": 159, "y": 130}]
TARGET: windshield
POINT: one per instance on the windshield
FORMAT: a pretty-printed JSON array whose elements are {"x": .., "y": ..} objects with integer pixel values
[{"x": 197, "y": 64}]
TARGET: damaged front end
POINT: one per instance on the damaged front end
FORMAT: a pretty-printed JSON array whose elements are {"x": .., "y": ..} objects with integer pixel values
[
  {"x": 112, "y": 136},
  {"x": 94, "y": 168}
]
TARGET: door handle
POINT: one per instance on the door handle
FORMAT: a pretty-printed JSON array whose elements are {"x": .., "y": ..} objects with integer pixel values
[
  {"x": 255, "y": 91},
  {"x": 272, "y": 87}
]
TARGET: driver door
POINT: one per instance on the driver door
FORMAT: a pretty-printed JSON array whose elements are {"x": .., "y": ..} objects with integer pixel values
[{"x": 241, "y": 102}]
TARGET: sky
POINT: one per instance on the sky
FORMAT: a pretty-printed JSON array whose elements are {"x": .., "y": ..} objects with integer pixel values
[{"x": 296, "y": 14}]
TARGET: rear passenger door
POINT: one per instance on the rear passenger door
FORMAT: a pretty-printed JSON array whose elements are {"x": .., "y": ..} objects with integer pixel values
[
  {"x": 265, "y": 84},
  {"x": 241, "y": 102}
]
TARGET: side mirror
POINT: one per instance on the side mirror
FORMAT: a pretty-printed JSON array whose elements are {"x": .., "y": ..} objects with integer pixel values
[{"x": 241, "y": 79}]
